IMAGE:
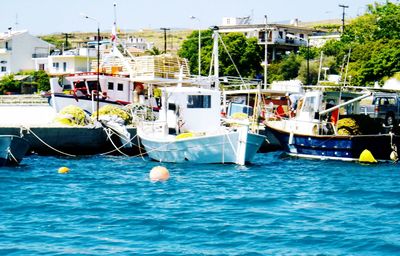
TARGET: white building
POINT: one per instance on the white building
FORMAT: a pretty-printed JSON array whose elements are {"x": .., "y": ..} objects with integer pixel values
[
  {"x": 233, "y": 21},
  {"x": 67, "y": 62},
  {"x": 137, "y": 42},
  {"x": 280, "y": 37},
  {"x": 18, "y": 49}
]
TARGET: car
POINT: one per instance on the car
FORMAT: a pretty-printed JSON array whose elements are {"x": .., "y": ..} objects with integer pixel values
[{"x": 385, "y": 106}]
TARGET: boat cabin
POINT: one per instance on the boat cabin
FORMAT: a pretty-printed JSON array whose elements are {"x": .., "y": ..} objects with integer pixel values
[
  {"x": 190, "y": 109},
  {"x": 84, "y": 85},
  {"x": 325, "y": 108}
]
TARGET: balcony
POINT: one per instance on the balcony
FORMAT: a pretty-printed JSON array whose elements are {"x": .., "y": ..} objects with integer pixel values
[{"x": 40, "y": 55}]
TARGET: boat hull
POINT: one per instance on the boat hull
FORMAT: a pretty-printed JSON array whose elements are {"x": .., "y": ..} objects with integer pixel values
[
  {"x": 336, "y": 147},
  {"x": 12, "y": 149},
  {"x": 205, "y": 149},
  {"x": 72, "y": 140}
]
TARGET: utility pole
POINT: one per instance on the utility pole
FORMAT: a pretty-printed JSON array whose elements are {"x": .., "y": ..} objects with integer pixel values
[
  {"x": 66, "y": 39},
  {"x": 165, "y": 38},
  {"x": 344, "y": 13}
]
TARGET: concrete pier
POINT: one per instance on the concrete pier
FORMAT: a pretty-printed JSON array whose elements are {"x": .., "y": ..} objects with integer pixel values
[{"x": 35, "y": 124}]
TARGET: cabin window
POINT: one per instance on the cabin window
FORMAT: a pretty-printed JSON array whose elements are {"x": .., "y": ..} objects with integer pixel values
[
  {"x": 309, "y": 104},
  {"x": 92, "y": 85},
  {"x": 110, "y": 86},
  {"x": 120, "y": 87},
  {"x": 199, "y": 101}
]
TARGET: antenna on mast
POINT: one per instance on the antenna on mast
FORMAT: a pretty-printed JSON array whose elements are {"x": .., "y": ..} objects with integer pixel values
[
  {"x": 16, "y": 21},
  {"x": 114, "y": 28}
]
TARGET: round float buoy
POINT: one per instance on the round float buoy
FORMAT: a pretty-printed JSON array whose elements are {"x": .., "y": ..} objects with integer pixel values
[
  {"x": 367, "y": 157},
  {"x": 63, "y": 170},
  {"x": 394, "y": 156},
  {"x": 159, "y": 173}
]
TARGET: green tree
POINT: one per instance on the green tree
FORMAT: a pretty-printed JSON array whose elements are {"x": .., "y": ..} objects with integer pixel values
[
  {"x": 374, "y": 40},
  {"x": 42, "y": 79},
  {"x": 245, "y": 53},
  {"x": 190, "y": 50},
  {"x": 9, "y": 84},
  {"x": 286, "y": 69}
]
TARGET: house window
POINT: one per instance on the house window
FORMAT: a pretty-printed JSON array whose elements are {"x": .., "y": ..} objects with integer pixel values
[
  {"x": 41, "y": 66},
  {"x": 56, "y": 65},
  {"x": 261, "y": 36},
  {"x": 120, "y": 87},
  {"x": 301, "y": 36},
  {"x": 3, "y": 69},
  {"x": 110, "y": 86},
  {"x": 65, "y": 66},
  {"x": 199, "y": 101},
  {"x": 280, "y": 34}
]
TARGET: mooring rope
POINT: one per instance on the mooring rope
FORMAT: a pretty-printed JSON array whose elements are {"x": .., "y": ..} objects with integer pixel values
[
  {"x": 12, "y": 156},
  {"x": 116, "y": 149},
  {"x": 34, "y": 134},
  {"x": 108, "y": 132}
]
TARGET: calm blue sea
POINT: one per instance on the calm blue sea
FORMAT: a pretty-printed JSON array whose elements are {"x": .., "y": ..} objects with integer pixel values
[{"x": 277, "y": 206}]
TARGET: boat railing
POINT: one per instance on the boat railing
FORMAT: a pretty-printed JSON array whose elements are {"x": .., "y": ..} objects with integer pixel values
[{"x": 236, "y": 83}]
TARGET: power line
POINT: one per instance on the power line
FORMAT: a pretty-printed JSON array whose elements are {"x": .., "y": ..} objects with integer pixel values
[
  {"x": 165, "y": 38},
  {"x": 66, "y": 39},
  {"x": 344, "y": 13}
]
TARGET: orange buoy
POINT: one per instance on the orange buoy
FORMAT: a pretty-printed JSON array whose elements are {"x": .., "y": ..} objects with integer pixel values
[
  {"x": 159, "y": 173},
  {"x": 63, "y": 170}
]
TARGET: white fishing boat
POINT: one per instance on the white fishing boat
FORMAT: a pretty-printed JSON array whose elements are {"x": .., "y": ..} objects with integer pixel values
[{"x": 189, "y": 129}]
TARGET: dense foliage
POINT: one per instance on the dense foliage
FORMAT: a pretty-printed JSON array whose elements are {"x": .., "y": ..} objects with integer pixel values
[
  {"x": 371, "y": 41},
  {"x": 246, "y": 54},
  {"x": 38, "y": 79}
]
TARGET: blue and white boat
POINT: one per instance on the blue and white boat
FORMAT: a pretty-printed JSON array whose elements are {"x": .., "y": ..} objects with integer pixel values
[
  {"x": 12, "y": 149},
  {"x": 311, "y": 135},
  {"x": 189, "y": 129}
]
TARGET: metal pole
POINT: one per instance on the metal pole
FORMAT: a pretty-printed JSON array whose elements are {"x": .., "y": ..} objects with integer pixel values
[
  {"x": 199, "y": 50},
  {"x": 165, "y": 38},
  {"x": 98, "y": 62},
  {"x": 308, "y": 61},
  {"x": 199, "y": 57},
  {"x": 320, "y": 67},
  {"x": 98, "y": 71},
  {"x": 265, "y": 53}
]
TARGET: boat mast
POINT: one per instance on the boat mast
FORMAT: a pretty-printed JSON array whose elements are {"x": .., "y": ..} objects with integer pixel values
[
  {"x": 215, "y": 55},
  {"x": 114, "y": 30}
]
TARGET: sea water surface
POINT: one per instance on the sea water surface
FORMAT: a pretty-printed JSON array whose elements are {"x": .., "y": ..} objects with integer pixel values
[{"x": 106, "y": 205}]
